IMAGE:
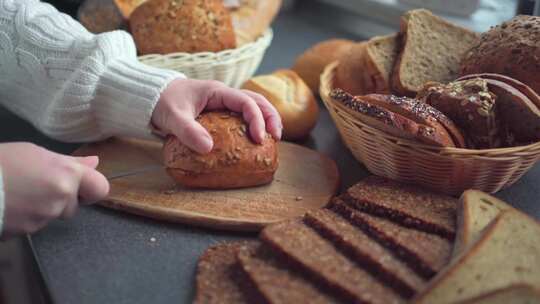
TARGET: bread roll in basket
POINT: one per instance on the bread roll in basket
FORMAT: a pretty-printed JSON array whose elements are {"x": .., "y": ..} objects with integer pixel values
[{"x": 444, "y": 169}]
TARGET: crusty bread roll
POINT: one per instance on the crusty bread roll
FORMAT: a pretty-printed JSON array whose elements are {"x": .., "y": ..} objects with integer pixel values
[
  {"x": 252, "y": 18},
  {"x": 234, "y": 162},
  {"x": 350, "y": 71},
  {"x": 310, "y": 64},
  {"x": 292, "y": 98},
  {"x": 169, "y": 26},
  {"x": 511, "y": 48}
]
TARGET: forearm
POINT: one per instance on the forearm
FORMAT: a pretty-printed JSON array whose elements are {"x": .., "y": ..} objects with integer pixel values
[
  {"x": 2, "y": 201},
  {"x": 70, "y": 84}
]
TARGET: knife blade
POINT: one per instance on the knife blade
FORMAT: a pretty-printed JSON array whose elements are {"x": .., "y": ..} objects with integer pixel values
[{"x": 141, "y": 170}]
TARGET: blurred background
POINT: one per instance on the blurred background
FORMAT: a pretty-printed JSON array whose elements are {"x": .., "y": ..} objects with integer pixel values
[{"x": 20, "y": 279}]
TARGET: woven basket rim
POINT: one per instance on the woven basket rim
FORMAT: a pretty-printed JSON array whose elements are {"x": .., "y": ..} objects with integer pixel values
[
  {"x": 215, "y": 58},
  {"x": 325, "y": 88}
]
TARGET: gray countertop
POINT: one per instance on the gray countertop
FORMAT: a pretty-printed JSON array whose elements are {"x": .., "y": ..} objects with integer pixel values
[{"x": 104, "y": 256}]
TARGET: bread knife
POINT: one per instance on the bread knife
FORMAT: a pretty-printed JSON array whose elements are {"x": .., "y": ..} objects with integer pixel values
[{"x": 142, "y": 170}]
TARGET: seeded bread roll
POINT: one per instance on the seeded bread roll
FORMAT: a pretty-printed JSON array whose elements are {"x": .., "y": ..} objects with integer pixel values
[
  {"x": 234, "y": 162},
  {"x": 252, "y": 18},
  {"x": 169, "y": 26},
  {"x": 511, "y": 48}
]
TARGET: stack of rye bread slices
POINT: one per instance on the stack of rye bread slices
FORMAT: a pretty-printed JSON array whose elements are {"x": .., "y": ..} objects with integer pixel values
[
  {"x": 382, "y": 242},
  {"x": 422, "y": 64}
]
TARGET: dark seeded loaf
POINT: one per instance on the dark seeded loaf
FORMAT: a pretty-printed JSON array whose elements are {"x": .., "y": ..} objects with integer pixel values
[
  {"x": 431, "y": 50},
  {"x": 408, "y": 205},
  {"x": 372, "y": 256},
  {"x": 424, "y": 252},
  {"x": 318, "y": 257}
]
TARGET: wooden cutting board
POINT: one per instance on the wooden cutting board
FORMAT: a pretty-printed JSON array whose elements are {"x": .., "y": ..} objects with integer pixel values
[{"x": 305, "y": 180}]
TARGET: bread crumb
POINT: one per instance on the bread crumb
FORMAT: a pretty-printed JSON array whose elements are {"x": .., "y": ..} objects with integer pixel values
[{"x": 153, "y": 239}]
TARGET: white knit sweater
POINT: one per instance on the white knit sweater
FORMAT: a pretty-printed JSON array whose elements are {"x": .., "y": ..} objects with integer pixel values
[{"x": 70, "y": 84}]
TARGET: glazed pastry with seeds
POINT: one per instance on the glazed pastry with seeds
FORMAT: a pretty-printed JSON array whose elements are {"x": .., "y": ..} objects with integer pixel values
[{"x": 377, "y": 112}]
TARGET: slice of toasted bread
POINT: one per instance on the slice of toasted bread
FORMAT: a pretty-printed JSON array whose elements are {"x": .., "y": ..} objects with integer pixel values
[
  {"x": 432, "y": 49},
  {"x": 508, "y": 252},
  {"x": 514, "y": 294},
  {"x": 476, "y": 210},
  {"x": 390, "y": 122},
  {"x": 380, "y": 55}
]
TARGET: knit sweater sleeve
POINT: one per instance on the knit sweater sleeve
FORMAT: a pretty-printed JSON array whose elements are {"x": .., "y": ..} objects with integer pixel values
[{"x": 70, "y": 84}]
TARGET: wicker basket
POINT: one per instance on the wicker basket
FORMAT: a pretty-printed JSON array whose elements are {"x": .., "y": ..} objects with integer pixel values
[
  {"x": 232, "y": 67},
  {"x": 448, "y": 170}
]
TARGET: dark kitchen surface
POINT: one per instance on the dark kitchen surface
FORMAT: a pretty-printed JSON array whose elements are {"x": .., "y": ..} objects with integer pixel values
[{"x": 104, "y": 256}]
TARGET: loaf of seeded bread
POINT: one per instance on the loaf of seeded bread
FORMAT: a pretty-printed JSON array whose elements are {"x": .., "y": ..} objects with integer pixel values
[
  {"x": 510, "y": 48},
  {"x": 169, "y": 26},
  {"x": 252, "y": 18},
  {"x": 507, "y": 252},
  {"x": 431, "y": 50},
  {"x": 234, "y": 162}
]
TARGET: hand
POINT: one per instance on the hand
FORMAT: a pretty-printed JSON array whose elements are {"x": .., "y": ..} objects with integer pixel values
[
  {"x": 184, "y": 99},
  {"x": 40, "y": 186}
]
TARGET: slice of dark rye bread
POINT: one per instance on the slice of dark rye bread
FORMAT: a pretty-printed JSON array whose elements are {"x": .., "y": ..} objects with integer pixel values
[
  {"x": 368, "y": 253},
  {"x": 431, "y": 50},
  {"x": 408, "y": 205},
  {"x": 277, "y": 282},
  {"x": 424, "y": 252},
  {"x": 220, "y": 279},
  {"x": 323, "y": 262}
]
